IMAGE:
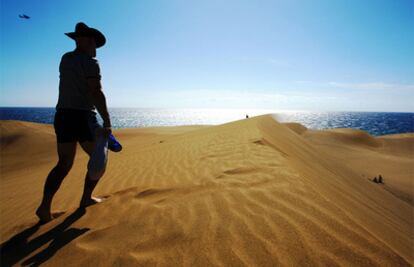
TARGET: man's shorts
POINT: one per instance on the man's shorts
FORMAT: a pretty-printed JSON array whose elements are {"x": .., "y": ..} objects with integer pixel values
[{"x": 72, "y": 125}]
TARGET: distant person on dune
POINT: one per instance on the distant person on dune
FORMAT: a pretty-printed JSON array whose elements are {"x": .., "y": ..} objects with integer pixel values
[{"x": 80, "y": 93}]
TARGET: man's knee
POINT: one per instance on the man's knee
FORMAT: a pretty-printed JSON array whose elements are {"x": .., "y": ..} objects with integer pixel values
[
  {"x": 96, "y": 174},
  {"x": 64, "y": 166}
]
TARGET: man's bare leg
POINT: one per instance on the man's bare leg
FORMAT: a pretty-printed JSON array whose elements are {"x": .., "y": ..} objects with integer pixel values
[
  {"x": 66, "y": 153},
  {"x": 87, "y": 198},
  {"x": 90, "y": 185}
]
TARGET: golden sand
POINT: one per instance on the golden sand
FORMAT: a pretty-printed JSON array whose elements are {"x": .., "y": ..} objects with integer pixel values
[{"x": 253, "y": 192}]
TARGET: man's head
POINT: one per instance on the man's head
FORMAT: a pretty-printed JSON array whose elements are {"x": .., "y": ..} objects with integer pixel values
[{"x": 87, "y": 39}]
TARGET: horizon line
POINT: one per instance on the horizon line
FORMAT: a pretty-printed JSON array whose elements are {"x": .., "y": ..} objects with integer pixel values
[{"x": 269, "y": 109}]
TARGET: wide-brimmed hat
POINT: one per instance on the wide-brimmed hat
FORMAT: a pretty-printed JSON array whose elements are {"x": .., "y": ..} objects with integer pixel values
[{"x": 82, "y": 29}]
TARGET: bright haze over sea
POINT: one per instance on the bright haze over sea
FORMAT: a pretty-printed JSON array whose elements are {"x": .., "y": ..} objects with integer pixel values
[{"x": 376, "y": 123}]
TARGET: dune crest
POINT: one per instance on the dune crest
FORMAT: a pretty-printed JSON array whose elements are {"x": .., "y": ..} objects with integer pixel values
[{"x": 251, "y": 192}]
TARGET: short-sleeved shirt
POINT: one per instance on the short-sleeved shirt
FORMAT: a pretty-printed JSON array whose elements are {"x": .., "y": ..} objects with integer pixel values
[{"x": 75, "y": 68}]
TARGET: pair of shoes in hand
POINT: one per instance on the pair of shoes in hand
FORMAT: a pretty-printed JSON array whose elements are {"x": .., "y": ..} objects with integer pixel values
[{"x": 113, "y": 144}]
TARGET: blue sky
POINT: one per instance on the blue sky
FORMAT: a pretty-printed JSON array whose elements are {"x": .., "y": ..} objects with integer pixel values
[{"x": 285, "y": 55}]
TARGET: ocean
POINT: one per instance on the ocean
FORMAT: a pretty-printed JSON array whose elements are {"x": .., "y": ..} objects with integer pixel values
[{"x": 375, "y": 123}]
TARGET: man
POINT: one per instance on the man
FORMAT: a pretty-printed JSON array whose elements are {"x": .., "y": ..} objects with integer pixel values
[{"x": 80, "y": 93}]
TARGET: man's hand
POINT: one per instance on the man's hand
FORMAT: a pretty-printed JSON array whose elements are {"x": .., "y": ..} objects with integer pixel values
[{"x": 106, "y": 131}]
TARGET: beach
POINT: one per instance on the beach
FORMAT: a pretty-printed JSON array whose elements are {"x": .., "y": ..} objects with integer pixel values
[{"x": 253, "y": 192}]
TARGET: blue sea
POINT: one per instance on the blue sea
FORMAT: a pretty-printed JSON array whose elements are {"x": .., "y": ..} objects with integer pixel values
[{"x": 376, "y": 123}]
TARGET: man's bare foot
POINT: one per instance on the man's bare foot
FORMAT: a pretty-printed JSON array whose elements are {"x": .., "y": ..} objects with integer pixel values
[
  {"x": 91, "y": 201},
  {"x": 43, "y": 214}
]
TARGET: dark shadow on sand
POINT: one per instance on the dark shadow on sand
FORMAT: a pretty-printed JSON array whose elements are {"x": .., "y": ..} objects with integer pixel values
[{"x": 17, "y": 247}]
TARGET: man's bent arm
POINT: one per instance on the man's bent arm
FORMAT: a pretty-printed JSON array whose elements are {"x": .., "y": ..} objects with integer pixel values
[{"x": 99, "y": 100}]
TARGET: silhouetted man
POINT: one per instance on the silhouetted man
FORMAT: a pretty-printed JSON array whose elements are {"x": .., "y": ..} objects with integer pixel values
[{"x": 80, "y": 93}]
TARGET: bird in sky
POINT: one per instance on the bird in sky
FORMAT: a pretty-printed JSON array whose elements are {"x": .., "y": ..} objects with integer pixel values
[{"x": 23, "y": 16}]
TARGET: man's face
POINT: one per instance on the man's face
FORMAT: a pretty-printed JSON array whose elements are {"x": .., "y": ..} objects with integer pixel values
[
  {"x": 92, "y": 46},
  {"x": 88, "y": 44}
]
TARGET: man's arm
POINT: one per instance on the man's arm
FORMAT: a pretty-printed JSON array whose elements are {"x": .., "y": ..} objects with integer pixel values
[{"x": 99, "y": 100}]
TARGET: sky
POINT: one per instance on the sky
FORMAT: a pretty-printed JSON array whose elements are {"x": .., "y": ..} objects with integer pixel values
[{"x": 319, "y": 55}]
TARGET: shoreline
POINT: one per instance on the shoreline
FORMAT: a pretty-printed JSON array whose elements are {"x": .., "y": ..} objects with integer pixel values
[{"x": 211, "y": 125}]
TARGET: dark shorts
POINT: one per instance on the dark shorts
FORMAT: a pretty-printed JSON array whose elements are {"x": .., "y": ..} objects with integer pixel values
[{"x": 72, "y": 125}]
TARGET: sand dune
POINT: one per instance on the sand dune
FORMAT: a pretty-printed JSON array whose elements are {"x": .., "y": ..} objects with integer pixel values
[{"x": 253, "y": 192}]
